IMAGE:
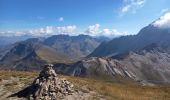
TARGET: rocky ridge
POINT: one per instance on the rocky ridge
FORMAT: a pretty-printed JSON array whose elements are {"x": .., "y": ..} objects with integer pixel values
[{"x": 148, "y": 66}]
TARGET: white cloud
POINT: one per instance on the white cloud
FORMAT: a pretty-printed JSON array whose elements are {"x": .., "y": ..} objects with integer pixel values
[
  {"x": 35, "y": 32},
  {"x": 66, "y": 29},
  {"x": 48, "y": 30},
  {"x": 132, "y": 5},
  {"x": 51, "y": 30},
  {"x": 93, "y": 29},
  {"x": 126, "y": 9},
  {"x": 112, "y": 33},
  {"x": 11, "y": 33},
  {"x": 61, "y": 19},
  {"x": 163, "y": 22}
]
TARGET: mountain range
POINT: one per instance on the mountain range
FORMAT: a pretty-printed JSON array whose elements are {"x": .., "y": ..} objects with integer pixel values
[
  {"x": 7, "y": 40},
  {"x": 148, "y": 65},
  {"x": 25, "y": 55},
  {"x": 144, "y": 57},
  {"x": 146, "y": 36}
]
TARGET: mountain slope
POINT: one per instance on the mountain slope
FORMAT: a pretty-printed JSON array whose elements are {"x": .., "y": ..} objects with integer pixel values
[
  {"x": 74, "y": 47},
  {"x": 148, "y": 65},
  {"x": 146, "y": 36},
  {"x": 30, "y": 55}
]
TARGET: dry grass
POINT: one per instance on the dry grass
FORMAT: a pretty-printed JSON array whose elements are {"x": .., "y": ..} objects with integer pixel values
[
  {"x": 18, "y": 74},
  {"x": 14, "y": 80},
  {"x": 122, "y": 91},
  {"x": 110, "y": 90}
]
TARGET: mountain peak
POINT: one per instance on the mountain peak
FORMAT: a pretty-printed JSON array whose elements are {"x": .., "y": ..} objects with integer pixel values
[{"x": 156, "y": 32}]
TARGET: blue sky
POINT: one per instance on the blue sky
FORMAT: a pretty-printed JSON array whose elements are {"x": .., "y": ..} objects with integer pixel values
[{"x": 93, "y": 17}]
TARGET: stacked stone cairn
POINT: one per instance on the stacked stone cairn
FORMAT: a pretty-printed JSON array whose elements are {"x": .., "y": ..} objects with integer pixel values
[{"x": 48, "y": 86}]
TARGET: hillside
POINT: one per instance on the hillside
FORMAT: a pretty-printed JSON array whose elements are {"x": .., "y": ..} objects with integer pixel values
[
  {"x": 14, "y": 81},
  {"x": 25, "y": 55},
  {"x": 146, "y": 36},
  {"x": 148, "y": 65},
  {"x": 28, "y": 54},
  {"x": 74, "y": 47}
]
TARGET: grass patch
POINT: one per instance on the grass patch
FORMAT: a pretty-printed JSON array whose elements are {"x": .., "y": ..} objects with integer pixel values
[
  {"x": 18, "y": 74},
  {"x": 113, "y": 90},
  {"x": 11, "y": 86}
]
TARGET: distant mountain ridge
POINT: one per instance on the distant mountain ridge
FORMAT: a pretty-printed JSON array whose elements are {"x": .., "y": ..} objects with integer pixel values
[
  {"x": 148, "y": 35},
  {"x": 8, "y": 40},
  {"x": 25, "y": 55},
  {"x": 144, "y": 57},
  {"x": 73, "y": 46}
]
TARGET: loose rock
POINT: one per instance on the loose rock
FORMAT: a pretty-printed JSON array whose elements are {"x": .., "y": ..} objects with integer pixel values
[{"x": 48, "y": 86}]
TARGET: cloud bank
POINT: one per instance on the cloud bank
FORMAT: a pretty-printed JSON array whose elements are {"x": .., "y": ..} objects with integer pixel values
[
  {"x": 92, "y": 30},
  {"x": 163, "y": 22},
  {"x": 66, "y": 29}
]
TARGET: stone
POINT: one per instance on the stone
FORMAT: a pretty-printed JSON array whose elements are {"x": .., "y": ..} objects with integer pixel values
[{"x": 49, "y": 86}]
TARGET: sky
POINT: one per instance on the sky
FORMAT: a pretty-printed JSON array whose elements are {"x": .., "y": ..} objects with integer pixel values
[{"x": 73, "y": 17}]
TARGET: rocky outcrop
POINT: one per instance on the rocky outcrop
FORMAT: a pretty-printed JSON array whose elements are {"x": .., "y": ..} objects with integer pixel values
[
  {"x": 47, "y": 86},
  {"x": 50, "y": 87},
  {"x": 95, "y": 67}
]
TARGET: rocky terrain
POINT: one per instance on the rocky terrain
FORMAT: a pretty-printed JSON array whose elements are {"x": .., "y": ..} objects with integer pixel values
[
  {"x": 12, "y": 82},
  {"x": 147, "y": 66},
  {"x": 47, "y": 86}
]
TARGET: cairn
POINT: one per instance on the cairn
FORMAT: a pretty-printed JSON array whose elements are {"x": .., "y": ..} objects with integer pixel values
[{"x": 48, "y": 86}]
